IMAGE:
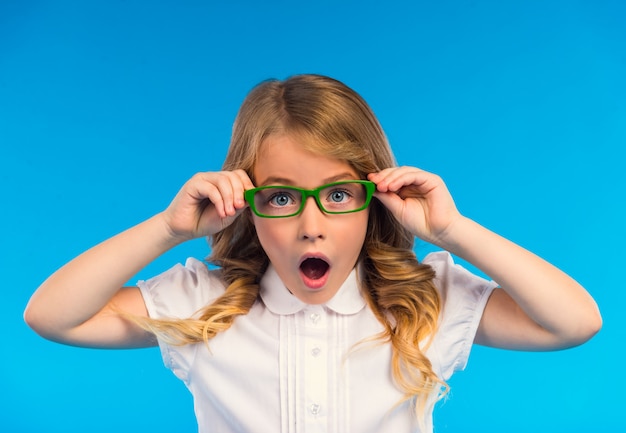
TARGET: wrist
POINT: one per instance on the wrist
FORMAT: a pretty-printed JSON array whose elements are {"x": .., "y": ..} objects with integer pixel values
[
  {"x": 457, "y": 235},
  {"x": 164, "y": 233}
]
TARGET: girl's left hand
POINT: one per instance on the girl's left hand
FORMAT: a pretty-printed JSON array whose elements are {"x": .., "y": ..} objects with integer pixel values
[{"x": 419, "y": 200}]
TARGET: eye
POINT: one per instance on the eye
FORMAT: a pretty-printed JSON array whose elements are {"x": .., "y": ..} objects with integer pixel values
[
  {"x": 339, "y": 196},
  {"x": 281, "y": 199}
]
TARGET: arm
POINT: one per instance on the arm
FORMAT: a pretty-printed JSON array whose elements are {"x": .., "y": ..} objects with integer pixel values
[
  {"x": 77, "y": 305},
  {"x": 538, "y": 306}
]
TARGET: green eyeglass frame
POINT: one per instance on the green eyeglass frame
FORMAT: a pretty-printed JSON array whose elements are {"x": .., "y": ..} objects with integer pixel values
[{"x": 370, "y": 188}]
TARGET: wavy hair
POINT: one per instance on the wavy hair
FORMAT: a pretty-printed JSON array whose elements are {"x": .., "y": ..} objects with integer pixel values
[{"x": 328, "y": 118}]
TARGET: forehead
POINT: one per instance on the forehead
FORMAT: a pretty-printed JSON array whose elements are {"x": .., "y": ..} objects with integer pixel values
[{"x": 286, "y": 159}]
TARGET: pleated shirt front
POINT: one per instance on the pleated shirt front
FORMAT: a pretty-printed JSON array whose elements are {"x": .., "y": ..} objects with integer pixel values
[{"x": 290, "y": 367}]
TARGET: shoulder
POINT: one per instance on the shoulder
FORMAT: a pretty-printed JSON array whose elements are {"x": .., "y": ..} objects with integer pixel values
[
  {"x": 452, "y": 278},
  {"x": 464, "y": 296},
  {"x": 182, "y": 290}
]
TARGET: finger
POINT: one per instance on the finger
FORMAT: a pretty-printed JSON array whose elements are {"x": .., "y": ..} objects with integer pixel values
[
  {"x": 231, "y": 187},
  {"x": 214, "y": 188},
  {"x": 204, "y": 186},
  {"x": 396, "y": 178},
  {"x": 392, "y": 202},
  {"x": 244, "y": 183},
  {"x": 385, "y": 178}
]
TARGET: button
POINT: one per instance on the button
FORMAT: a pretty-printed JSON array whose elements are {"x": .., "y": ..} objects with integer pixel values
[
  {"x": 315, "y": 409},
  {"x": 316, "y": 351},
  {"x": 314, "y": 318}
]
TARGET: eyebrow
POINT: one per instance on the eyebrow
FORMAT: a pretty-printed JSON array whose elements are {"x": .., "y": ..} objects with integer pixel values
[{"x": 275, "y": 180}]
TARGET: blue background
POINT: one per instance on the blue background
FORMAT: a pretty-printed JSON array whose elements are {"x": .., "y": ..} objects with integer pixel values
[{"x": 107, "y": 107}]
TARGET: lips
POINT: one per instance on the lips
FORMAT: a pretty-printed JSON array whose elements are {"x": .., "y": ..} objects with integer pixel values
[{"x": 314, "y": 271}]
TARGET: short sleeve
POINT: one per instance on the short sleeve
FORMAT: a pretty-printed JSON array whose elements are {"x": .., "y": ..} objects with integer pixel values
[
  {"x": 464, "y": 296},
  {"x": 179, "y": 293}
]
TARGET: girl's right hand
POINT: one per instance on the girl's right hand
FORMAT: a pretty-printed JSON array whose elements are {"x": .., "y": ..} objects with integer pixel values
[
  {"x": 78, "y": 304},
  {"x": 207, "y": 203}
]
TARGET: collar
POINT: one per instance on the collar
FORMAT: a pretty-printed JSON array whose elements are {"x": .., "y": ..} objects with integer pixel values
[{"x": 278, "y": 299}]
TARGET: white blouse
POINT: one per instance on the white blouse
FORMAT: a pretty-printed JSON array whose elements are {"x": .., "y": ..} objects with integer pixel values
[{"x": 288, "y": 367}]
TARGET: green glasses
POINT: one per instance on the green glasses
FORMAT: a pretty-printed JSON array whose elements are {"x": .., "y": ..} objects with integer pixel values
[{"x": 279, "y": 201}]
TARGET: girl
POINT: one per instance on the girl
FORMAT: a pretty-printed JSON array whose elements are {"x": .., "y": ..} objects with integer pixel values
[{"x": 318, "y": 317}]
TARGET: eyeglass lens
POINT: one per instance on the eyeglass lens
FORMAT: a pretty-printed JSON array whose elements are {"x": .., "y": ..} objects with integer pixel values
[{"x": 284, "y": 200}]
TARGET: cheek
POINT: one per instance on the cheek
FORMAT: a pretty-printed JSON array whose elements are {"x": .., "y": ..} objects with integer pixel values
[
  {"x": 271, "y": 236},
  {"x": 352, "y": 233}
]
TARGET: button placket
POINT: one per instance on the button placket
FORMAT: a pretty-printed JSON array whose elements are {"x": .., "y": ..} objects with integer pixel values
[
  {"x": 316, "y": 366},
  {"x": 314, "y": 409}
]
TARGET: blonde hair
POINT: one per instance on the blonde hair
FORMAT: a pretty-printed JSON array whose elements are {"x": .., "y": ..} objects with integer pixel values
[{"x": 331, "y": 119}]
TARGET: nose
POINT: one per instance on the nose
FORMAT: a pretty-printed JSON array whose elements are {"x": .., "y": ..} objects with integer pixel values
[{"x": 312, "y": 221}]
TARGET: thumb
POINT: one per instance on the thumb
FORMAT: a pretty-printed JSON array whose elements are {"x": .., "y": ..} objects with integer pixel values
[{"x": 391, "y": 201}]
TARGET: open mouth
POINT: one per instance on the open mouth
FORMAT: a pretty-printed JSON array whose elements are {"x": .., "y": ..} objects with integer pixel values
[
  {"x": 314, "y": 272},
  {"x": 314, "y": 268}
]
